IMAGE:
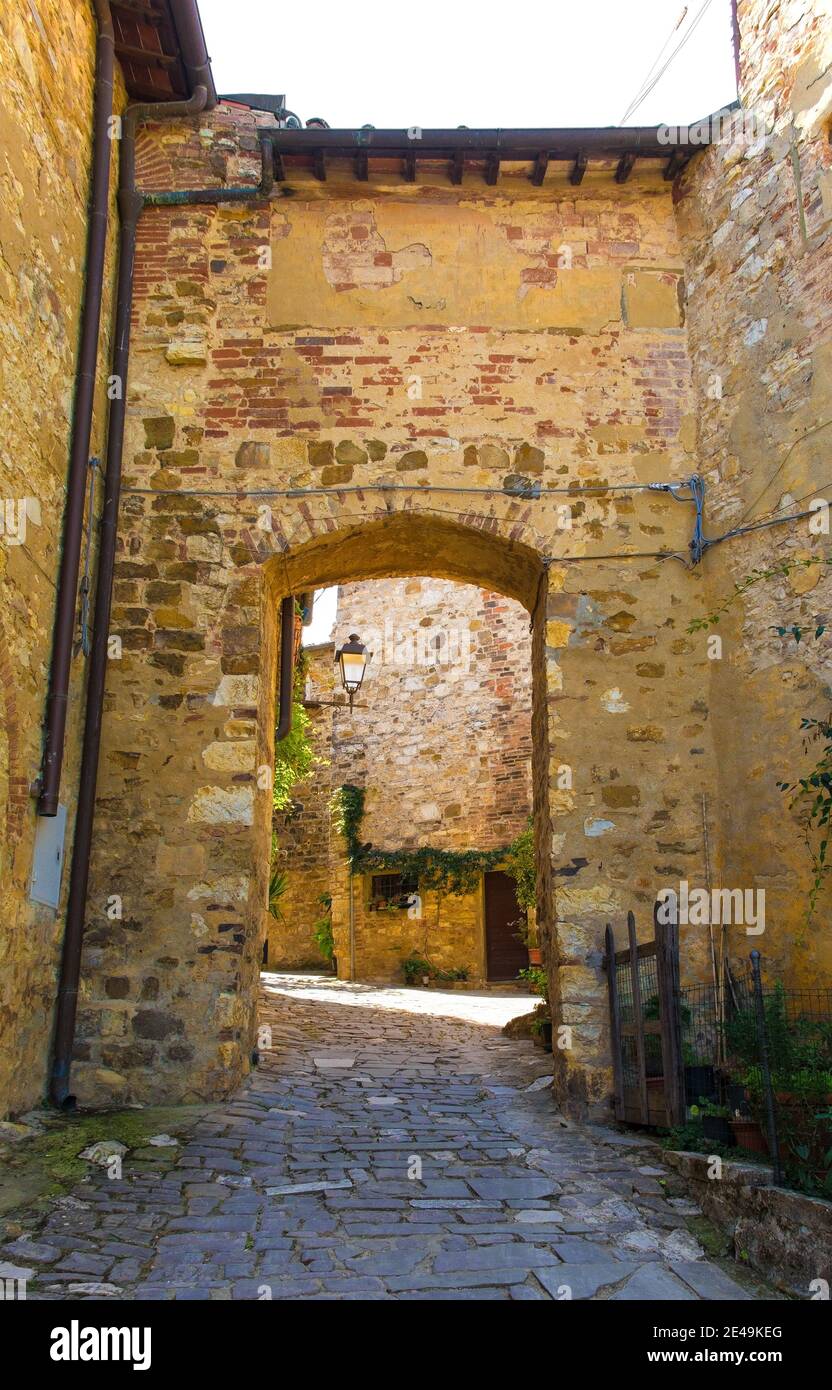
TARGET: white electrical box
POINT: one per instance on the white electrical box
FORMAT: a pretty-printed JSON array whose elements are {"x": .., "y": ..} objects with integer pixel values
[{"x": 48, "y": 861}]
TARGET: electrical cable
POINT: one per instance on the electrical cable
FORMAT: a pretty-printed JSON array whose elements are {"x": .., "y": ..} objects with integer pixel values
[
  {"x": 698, "y": 545},
  {"x": 656, "y": 61},
  {"x": 529, "y": 494},
  {"x": 815, "y": 429},
  {"x": 770, "y": 519},
  {"x": 642, "y": 96}
]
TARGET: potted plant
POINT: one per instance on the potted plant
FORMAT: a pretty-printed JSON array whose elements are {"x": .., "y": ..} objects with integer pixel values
[
  {"x": 748, "y": 1134},
  {"x": 525, "y": 933},
  {"x": 538, "y": 981},
  {"x": 454, "y": 975},
  {"x": 716, "y": 1124},
  {"x": 737, "y": 1096},
  {"x": 416, "y": 970}
]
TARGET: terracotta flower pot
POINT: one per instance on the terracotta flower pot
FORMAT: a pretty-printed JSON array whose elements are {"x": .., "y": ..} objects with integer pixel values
[
  {"x": 749, "y": 1135},
  {"x": 535, "y": 955}
]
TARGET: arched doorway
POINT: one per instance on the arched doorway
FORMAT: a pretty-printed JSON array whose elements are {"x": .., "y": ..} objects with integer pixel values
[
  {"x": 414, "y": 544},
  {"x": 184, "y": 797},
  {"x": 183, "y": 812}
]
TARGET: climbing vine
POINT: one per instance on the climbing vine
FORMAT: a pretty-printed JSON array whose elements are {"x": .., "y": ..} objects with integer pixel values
[
  {"x": 295, "y": 760},
  {"x": 322, "y": 933},
  {"x": 757, "y": 576},
  {"x": 442, "y": 871},
  {"x": 520, "y": 864},
  {"x": 348, "y": 809}
]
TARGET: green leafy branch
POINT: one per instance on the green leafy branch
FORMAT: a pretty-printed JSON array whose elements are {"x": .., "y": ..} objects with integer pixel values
[
  {"x": 759, "y": 575},
  {"x": 322, "y": 933},
  {"x": 295, "y": 759},
  {"x": 813, "y": 795},
  {"x": 520, "y": 864}
]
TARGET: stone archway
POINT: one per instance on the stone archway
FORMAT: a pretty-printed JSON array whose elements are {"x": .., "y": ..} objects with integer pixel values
[
  {"x": 184, "y": 791},
  {"x": 415, "y": 542},
  {"x": 410, "y": 545},
  {"x": 170, "y": 984}
]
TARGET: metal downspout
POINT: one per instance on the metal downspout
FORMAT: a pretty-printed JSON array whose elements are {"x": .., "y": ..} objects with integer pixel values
[
  {"x": 287, "y": 649},
  {"x": 49, "y": 786}
]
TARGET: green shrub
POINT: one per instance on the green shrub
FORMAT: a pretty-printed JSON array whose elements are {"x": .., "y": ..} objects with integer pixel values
[
  {"x": 322, "y": 928},
  {"x": 537, "y": 979}
]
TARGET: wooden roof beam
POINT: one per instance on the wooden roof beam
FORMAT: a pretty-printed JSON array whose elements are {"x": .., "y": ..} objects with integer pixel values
[
  {"x": 492, "y": 169},
  {"x": 456, "y": 167},
  {"x": 319, "y": 165},
  {"x": 625, "y": 167},
  {"x": 675, "y": 165},
  {"x": 576, "y": 174},
  {"x": 362, "y": 166},
  {"x": 145, "y": 55},
  {"x": 409, "y": 171},
  {"x": 541, "y": 164},
  {"x": 141, "y": 11}
]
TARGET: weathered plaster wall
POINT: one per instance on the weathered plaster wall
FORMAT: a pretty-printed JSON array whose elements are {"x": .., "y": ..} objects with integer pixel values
[
  {"x": 47, "y": 60},
  {"x": 755, "y": 222},
  {"x": 337, "y": 376}
]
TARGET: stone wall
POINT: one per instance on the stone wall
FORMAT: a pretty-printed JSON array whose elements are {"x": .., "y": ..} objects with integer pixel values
[
  {"x": 755, "y": 222},
  {"x": 784, "y": 1235},
  {"x": 358, "y": 381},
  {"x": 443, "y": 742},
  {"x": 47, "y": 62},
  {"x": 555, "y": 352}
]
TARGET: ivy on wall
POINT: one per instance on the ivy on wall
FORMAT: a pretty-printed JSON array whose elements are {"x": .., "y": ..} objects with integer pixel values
[
  {"x": 294, "y": 761},
  {"x": 439, "y": 870},
  {"x": 294, "y": 758},
  {"x": 520, "y": 863}
]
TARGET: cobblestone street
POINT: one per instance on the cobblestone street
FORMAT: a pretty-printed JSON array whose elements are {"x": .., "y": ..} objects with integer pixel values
[{"x": 392, "y": 1144}]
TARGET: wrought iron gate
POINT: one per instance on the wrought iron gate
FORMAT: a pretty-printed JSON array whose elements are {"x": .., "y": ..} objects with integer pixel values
[{"x": 645, "y": 1025}]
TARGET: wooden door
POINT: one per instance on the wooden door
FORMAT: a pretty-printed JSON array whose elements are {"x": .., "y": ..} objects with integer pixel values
[{"x": 505, "y": 953}]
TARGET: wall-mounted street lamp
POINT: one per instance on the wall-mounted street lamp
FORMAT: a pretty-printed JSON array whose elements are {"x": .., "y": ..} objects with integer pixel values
[{"x": 352, "y": 662}]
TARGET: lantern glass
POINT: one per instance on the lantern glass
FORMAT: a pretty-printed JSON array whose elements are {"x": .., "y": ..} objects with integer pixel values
[{"x": 352, "y": 659}]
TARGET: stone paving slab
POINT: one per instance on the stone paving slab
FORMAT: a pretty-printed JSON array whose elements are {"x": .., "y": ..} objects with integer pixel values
[{"x": 420, "y": 1158}]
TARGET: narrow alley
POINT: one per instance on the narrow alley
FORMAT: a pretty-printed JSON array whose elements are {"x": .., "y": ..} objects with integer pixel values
[{"x": 393, "y": 1144}]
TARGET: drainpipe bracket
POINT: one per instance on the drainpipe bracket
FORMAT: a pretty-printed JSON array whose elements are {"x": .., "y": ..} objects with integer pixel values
[{"x": 130, "y": 204}]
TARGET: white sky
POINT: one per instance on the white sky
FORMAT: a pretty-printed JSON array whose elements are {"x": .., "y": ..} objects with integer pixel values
[
  {"x": 473, "y": 62},
  {"x": 323, "y": 617}
]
